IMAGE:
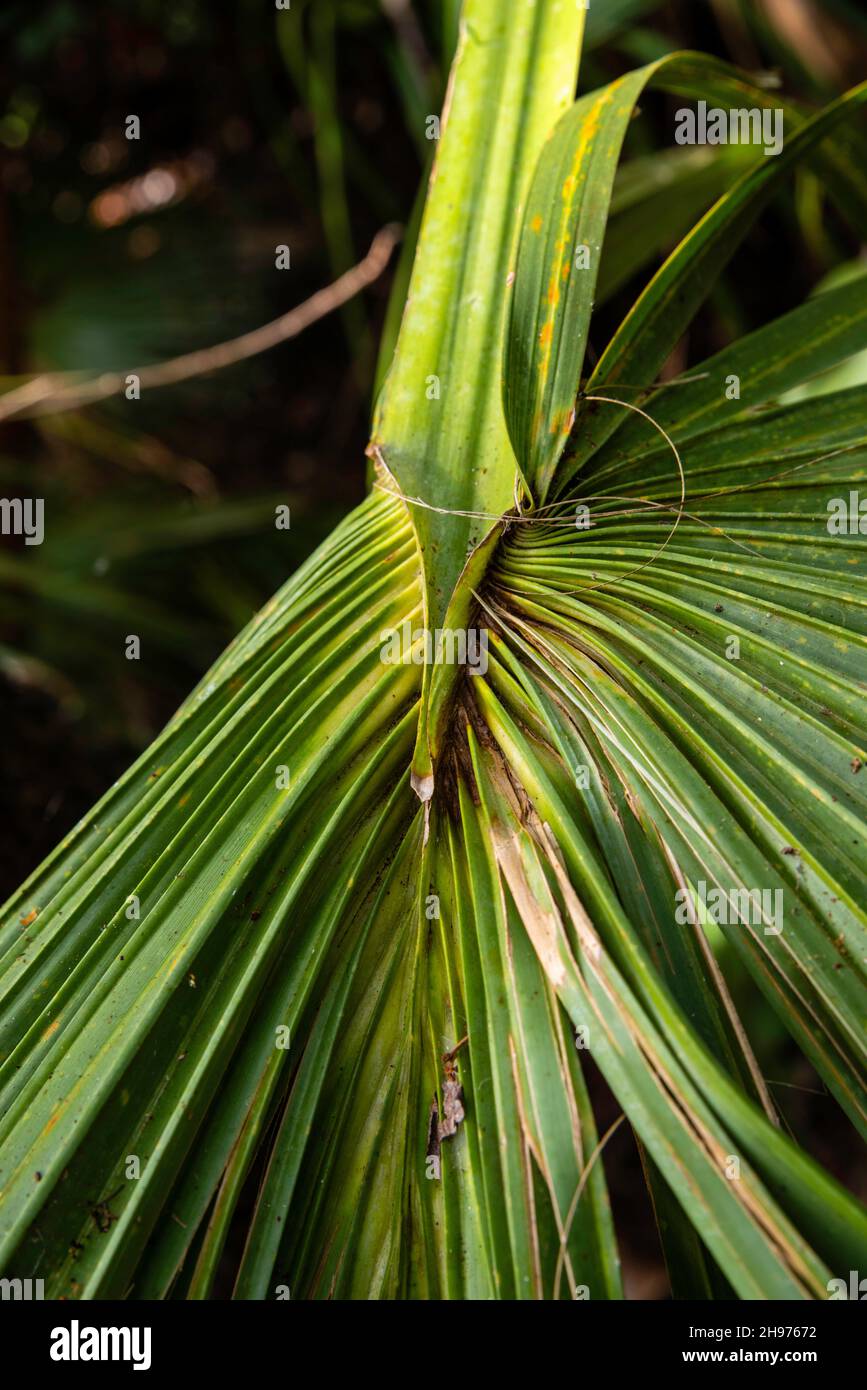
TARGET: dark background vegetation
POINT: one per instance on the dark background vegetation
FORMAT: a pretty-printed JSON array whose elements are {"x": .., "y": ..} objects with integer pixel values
[{"x": 261, "y": 128}]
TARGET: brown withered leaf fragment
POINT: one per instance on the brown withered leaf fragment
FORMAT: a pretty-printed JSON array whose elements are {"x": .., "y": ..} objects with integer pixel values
[
  {"x": 453, "y": 1094},
  {"x": 453, "y": 1110}
]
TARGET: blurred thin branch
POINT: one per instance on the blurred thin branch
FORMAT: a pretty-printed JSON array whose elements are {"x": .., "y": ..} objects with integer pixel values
[{"x": 49, "y": 395}]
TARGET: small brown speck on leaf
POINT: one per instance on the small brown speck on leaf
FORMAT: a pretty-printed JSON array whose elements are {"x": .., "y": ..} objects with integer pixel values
[
  {"x": 103, "y": 1215},
  {"x": 856, "y": 764},
  {"x": 789, "y": 849}
]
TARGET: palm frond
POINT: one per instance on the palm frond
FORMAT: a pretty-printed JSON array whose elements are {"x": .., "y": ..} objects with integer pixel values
[{"x": 267, "y": 1010}]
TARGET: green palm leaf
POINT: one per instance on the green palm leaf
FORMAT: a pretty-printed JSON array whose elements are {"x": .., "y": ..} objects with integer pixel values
[{"x": 308, "y": 996}]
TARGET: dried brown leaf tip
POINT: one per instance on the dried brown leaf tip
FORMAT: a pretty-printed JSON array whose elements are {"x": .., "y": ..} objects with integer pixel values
[{"x": 453, "y": 1093}]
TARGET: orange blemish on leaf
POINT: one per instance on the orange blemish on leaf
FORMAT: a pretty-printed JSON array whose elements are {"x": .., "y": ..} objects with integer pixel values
[
  {"x": 50, "y": 1030},
  {"x": 536, "y": 224},
  {"x": 52, "y": 1122},
  {"x": 175, "y": 960},
  {"x": 30, "y": 918},
  {"x": 554, "y": 288},
  {"x": 546, "y": 338},
  {"x": 589, "y": 131},
  {"x": 184, "y": 799},
  {"x": 562, "y": 421}
]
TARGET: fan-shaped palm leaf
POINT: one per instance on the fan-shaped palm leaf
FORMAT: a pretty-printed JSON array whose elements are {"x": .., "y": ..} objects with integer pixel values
[{"x": 263, "y": 964}]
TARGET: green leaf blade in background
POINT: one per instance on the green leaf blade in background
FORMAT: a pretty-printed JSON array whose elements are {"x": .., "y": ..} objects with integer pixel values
[
  {"x": 561, "y": 247},
  {"x": 641, "y": 345}
]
